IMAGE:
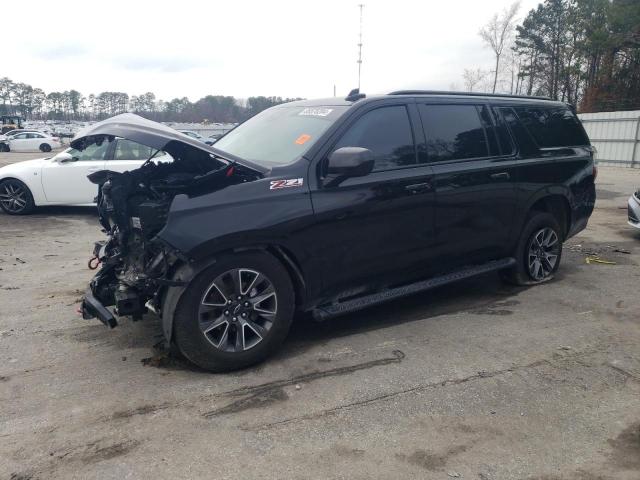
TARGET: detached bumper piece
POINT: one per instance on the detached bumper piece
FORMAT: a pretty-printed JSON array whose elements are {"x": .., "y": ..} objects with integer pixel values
[{"x": 92, "y": 308}]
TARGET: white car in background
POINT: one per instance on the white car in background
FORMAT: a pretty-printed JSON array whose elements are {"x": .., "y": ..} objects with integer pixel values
[
  {"x": 4, "y": 138},
  {"x": 31, "y": 141},
  {"x": 62, "y": 179}
]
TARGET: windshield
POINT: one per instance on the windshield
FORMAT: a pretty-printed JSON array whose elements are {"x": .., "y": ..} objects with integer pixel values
[{"x": 279, "y": 135}]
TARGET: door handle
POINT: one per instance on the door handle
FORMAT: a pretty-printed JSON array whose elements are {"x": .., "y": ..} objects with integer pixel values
[
  {"x": 500, "y": 176},
  {"x": 418, "y": 187}
]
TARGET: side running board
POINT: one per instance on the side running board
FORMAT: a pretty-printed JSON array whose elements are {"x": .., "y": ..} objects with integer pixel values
[{"x": 324, "y": 312}]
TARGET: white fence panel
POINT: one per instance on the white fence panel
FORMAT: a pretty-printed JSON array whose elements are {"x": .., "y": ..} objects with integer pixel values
[{"x": 615, "y": 135}]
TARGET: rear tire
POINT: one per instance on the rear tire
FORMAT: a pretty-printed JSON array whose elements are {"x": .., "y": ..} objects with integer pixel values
[
  {"x": 15, "y": 197},
  {"x": 45, "y": 147},
  {"x": 235, "y": 313},
  {"x": 538, "y": 252}
]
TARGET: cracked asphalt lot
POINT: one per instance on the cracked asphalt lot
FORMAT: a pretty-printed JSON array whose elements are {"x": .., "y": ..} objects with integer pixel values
[{"x": 476, "y": 380}]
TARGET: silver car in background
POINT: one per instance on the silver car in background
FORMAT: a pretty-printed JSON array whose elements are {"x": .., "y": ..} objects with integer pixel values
[{"x": 633, "y": 209}]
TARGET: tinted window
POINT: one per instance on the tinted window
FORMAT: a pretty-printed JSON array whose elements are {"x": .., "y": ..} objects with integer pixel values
[
  {"x": 552, "y": 127},
  {"x": 387, "y": 133},
  {"x": 504, "y": 139},
  {"x": 128, "y": 150},
  {"x": 453, "y": 132},
  {"x": 487, "y": 123},
  {"x": 526, "y": 145}
]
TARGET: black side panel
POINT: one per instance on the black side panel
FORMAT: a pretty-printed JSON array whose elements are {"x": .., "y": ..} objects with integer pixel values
[
  {"x": 475, "y": 197},
  {"x": 247, "y": 215},
  {"x": 563, "y": 172}
]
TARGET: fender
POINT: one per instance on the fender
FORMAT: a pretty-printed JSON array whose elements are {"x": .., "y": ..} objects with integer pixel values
[{"x": 184, "y": 273}]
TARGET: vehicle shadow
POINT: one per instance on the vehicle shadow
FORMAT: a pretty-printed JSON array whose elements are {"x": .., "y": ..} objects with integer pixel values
[
  {"x": 483, "y": 293},
  {"x": 91, "y": 212}
]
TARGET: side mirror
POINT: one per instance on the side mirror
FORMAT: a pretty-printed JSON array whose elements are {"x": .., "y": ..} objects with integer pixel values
[
  {"x": 350, "y": 162},
  {"x": 64, "y": 157}
]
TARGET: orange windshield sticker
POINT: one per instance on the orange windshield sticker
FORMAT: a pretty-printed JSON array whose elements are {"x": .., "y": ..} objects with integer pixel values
[{"x": 302, "y": 139}]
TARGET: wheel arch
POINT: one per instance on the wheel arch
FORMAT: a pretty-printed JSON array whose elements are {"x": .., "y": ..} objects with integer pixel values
[
  {"x": 557, "y": 205},
  {"x": 35, "y": 193},
  {"x": 556, "y": 200},
  {"x": 185, "y": 271}
]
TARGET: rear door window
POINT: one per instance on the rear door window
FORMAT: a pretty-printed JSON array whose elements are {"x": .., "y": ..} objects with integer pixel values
[
  {"x": 505, "y": 141},
  {"x": 453, "y": 132},
  {"x": 552, "y": 127},
  {"x": 386, "y": 131}
]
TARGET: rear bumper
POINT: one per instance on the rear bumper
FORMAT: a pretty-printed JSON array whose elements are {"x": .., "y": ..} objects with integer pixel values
[
  {"x": 91, "y": 307},
  {"x": 633, "y": 211}
]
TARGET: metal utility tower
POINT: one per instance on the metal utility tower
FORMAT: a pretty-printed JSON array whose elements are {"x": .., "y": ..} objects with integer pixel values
[{"x": 361, "y": 5}]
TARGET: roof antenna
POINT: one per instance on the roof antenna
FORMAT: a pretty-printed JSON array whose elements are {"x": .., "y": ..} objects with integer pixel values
[{"x": 354, "y": 95}]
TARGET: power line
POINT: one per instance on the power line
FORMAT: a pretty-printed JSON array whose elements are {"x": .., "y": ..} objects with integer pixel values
[{"x": 361, "y": 5}]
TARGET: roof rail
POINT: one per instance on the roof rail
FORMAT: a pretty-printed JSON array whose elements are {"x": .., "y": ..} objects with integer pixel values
[{"x": 469, "y": 94}]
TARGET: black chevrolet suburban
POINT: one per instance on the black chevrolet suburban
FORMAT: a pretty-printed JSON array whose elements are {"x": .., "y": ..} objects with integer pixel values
[{"x": 330, "y": 206}]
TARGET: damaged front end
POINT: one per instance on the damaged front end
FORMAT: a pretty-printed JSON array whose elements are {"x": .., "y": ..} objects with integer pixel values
[{"x": 135, "y": 265}]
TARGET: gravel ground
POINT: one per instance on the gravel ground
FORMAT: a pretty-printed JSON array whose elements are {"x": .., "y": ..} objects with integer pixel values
[{"x": 476, "y": 380}]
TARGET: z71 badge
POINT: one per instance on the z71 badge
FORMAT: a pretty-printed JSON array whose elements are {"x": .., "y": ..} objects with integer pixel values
[{"x": 290, "y": 182}]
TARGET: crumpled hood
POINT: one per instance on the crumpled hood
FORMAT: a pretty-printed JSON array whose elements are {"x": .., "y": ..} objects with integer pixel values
[{"x": 152, "y": 134}]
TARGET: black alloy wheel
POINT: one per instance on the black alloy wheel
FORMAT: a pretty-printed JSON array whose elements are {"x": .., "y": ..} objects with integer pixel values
[
  {"x": 238, "y": 309},
  {"x": 544, "y": 253},
  {"x": 15, "y": 197}
]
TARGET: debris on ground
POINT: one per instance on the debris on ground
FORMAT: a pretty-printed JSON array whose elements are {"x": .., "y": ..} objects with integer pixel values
[
  {"x": 589, "y": 259},
  {"x": 622, "y": 250},
  {"x": 19, "y": 260},
  {"x": 453, "y": 474}
]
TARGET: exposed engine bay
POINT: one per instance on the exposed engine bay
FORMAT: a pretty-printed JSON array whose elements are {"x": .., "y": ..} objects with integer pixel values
[{"x": 133, "y": 206}]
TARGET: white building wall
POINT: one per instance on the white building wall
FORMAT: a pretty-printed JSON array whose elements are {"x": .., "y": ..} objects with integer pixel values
[{"x": 615, "y": 135}]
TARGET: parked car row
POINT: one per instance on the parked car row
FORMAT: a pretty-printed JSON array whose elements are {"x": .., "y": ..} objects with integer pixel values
[
  {"x": 24, "y": 140},
  {"x": 210, "y": 140}
]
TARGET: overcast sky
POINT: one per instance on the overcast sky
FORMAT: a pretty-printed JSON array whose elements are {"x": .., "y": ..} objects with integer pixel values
[{"x": 243, "y": 48}]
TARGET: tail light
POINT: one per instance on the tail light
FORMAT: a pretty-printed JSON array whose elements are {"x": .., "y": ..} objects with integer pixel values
[
  {"x": 595, "y": 172},
  {"x": 55, "y": 139}
]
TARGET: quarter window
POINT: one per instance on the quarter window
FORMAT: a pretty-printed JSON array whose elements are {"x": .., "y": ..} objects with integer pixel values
[
  {"x": 386, "y": 131},
  {"x": 552, "y": 127},
  {"x": 453, "y": 132}
]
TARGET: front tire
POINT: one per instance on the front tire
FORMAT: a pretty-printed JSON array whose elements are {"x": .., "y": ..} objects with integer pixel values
[
  {"x": 4, "y": 147},
  {"x": 538, "y": 252},
  {"x": 235, "y": 313},
  {"x": 15, "y": 197},
  {"x": 45, "y": 147}
]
